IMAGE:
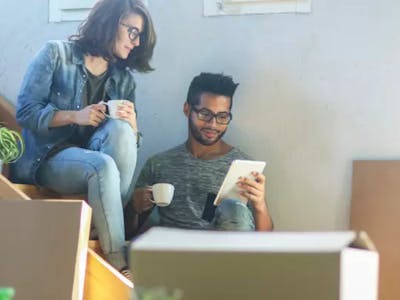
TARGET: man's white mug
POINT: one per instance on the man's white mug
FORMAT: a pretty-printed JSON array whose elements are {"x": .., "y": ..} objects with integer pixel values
[
  {"x": 113, "y": 107},
  {"x": 162, "y": 193}
]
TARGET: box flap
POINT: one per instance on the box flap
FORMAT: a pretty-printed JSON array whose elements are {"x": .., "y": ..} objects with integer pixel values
[
  {"x": 363, "y": 241},
  {"x": 8, "y": 191},
  {"x": 168, "y": 239}
]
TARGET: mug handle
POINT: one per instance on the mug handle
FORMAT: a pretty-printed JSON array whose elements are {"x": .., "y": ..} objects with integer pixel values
[{"x": 106, "y": 104}]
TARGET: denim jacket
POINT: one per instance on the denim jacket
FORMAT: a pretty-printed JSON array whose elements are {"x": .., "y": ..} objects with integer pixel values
[{"x": 54, "y": 81}]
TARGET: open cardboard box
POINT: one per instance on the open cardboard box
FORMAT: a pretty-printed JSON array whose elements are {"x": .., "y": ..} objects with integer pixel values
[
  {"x": 43, "y": 248},
  {"x": 255, "y": 265}
]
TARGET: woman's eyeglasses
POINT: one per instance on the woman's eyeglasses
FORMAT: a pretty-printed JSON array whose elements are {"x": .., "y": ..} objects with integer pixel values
[{"x": 133, "y": 32}]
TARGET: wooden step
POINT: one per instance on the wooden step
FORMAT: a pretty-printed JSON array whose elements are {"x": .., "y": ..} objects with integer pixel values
[{"x": 36, "y": 192}]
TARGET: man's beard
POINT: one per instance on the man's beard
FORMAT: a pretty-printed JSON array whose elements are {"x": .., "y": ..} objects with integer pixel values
[{"x": 196, "y": 133}]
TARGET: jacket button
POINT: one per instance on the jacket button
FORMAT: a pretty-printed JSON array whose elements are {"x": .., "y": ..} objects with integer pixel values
[
  {"x": 38, "y": 159},
  {"x": 58, "y": 93}
]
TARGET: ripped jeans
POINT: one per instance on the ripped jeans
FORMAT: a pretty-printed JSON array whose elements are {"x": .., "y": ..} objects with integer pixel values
[
  {"x": 233, "y": 215},
  {"x": 230, "y": 215},
  {"x": 104, "y": 172}
]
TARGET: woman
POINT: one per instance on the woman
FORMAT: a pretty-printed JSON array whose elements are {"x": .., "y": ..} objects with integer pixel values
[{"x": 71, "y": 146}]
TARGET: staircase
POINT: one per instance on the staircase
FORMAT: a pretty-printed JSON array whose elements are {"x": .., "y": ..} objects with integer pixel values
[{"x": 100, "y": 280}]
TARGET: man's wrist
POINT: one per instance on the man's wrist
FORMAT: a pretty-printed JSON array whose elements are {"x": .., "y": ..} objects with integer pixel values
[{"x": 260, "y": 206}]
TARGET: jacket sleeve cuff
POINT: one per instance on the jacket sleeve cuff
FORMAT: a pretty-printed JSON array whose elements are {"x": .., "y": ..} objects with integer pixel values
[{"x": 45, "y": 118}]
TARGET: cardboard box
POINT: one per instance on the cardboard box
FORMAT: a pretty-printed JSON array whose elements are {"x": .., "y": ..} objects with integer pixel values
[
  {"x": 375, "y": 208},
  {"x": 43, "y": 248},
  {"x": 255, "y": 265}
]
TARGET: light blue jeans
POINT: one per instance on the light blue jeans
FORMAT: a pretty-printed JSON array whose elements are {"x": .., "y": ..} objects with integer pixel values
[
  {"x": 233, "y": 215},
  {"x": 230, "y": 215},
  {"x": 104, "y": 171}
]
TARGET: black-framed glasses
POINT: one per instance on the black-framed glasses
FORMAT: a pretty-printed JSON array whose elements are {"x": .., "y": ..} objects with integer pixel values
[
  {"x": 133, "y": 32},
  {"x": 207, "y": 115}
]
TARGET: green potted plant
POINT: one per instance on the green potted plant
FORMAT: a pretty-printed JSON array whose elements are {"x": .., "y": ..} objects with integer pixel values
[
  {"x": 6, "y": 293},
  {"x": 11, "y": 146}
]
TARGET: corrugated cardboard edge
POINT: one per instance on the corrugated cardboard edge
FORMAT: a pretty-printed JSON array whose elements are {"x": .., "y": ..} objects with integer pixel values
[
  {"x": 363, "y": 241},
  {"x": 82, "y": 249}
]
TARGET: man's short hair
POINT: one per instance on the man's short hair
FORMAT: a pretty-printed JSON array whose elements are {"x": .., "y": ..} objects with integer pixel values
[{"x": 218, "y": 84}]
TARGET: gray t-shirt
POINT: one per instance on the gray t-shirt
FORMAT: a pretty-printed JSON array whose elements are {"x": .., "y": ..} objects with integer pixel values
[{"x": 195, "y": 181}]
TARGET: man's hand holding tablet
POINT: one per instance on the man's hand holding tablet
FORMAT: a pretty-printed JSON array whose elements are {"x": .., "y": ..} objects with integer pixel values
[{"x": 243, "y": 182}]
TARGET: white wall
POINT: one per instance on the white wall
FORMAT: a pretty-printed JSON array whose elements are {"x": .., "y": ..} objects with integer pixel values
[{"x": 316, "y": 91}]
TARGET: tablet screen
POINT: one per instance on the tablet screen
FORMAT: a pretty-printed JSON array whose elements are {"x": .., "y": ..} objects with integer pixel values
[{"x": 238, "y": 168}]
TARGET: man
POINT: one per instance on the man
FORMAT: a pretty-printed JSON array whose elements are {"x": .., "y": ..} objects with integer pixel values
[{"x": 198, "y": 167}]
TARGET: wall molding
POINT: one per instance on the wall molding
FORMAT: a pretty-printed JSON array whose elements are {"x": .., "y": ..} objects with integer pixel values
[
  {"x": 241, "y": 7},
  {"x": 71, "y": 10}
]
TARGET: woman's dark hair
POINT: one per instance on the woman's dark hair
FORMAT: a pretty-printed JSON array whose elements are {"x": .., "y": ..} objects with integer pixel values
[
  {"x": 218, "y": 84},
  {"x": 97, "y": 34}
]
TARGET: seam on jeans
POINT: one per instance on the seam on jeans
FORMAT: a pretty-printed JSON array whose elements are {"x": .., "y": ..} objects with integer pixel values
[
  {"x": 102, "y": 207},
  {"x": 97, "y": 172}
]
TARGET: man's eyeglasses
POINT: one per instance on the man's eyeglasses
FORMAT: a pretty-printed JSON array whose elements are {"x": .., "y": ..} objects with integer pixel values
[
  {"x": 133, "y": 32},
  {"x": 207, "y": 115}
]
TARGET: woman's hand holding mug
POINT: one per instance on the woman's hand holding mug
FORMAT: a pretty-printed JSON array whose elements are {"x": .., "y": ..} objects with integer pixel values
[
  {"x": 91, "y": 115},
  {"x": 122, "y": 109}
]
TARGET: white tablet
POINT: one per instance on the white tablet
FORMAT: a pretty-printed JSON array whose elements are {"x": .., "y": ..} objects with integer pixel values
[{"x": 238, "y": 168}]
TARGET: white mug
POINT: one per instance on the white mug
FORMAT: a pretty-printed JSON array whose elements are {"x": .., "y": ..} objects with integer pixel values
[
  {"x": 162, "y": 193},
  {"x": 113, "y": 107}
]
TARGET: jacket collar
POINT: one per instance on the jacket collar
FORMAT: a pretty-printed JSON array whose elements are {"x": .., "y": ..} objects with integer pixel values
[
  {"x": 77, "y": 55},
  {"x": 78, "y": 59}
]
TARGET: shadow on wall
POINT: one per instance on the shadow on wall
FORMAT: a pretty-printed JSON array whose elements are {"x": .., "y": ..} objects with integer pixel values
[{"x": 290, "y": 128}]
